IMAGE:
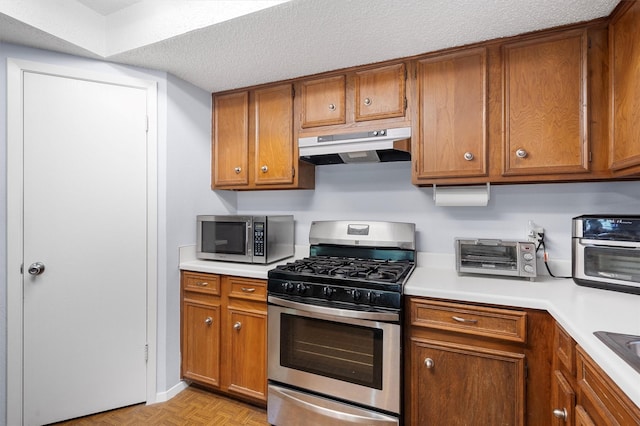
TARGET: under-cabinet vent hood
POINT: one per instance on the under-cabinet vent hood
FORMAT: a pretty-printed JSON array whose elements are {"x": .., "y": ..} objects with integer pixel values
[{"x": 363, "y": 147}]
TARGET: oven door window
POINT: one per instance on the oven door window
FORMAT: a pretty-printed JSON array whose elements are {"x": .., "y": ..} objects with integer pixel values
[
  {"x": 224, "y": 237},
  {"x": 615, "y": 263},
  {"x": 481, "y": 256},
  {"x": 341, "y": 351}
]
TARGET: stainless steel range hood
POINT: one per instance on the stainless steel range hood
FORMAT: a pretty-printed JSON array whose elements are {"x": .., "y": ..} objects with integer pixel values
[{"x": 364, "y": 147}]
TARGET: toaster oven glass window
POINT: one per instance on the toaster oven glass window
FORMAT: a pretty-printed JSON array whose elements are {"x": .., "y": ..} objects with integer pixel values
[
  {"x": 224, "y": 237},
  {"x": 481, "y": 256},
  {"x": 610, "y": 262},
  {"x": 341, "y": 351}
]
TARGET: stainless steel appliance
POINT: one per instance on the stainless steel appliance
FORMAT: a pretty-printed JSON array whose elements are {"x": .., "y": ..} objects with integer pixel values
[
  {"x": 248, "y": 239},
  {"x": 382, "y": 145},
  {"x": 334, "y": 345},
  {"x": 496, "y": 257},
  {"x": 606, "y": 252}
]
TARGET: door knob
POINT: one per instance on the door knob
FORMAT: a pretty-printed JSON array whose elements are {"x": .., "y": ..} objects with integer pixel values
[{"x": 36, "y": 268}]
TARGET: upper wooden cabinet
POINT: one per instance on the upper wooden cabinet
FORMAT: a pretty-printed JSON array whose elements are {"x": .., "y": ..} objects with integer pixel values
[
  {"x": 545, "y": 105},
  {"x": 323, "y": 101},
  {"x": 367, "y": 97},
  {"x": 253, "y": 142},
  {"x": 624, "y": 49},
  {"x": 380, "y": 93},
  {"x": 450, "y": 135}
]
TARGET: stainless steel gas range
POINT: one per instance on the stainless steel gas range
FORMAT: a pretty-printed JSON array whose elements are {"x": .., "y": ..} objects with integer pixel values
[{"x": 334, "y": 344}]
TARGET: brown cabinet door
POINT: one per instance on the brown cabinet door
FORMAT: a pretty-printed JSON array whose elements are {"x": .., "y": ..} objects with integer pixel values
[
  {"x": 323, "y": 101},
  {"x": 459, "y": 384},
  {"x": 380, "y": 93},
  {"x": 563, "y": 399},
  {"x": 582, "y": 418},
  {"x": 452, "y": 111},
  {"x": 247, "y": 353},
  {"x": 230, "y": 140},
  {"x": 273, "y": 135},
  {"x": 624, "y": 45},
  {"x": 201, "y": 342},
  {"x": 545, "y": 117}
]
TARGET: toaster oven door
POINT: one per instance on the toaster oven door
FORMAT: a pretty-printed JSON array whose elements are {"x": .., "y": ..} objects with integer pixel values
[{"x": 615, "y": 266}]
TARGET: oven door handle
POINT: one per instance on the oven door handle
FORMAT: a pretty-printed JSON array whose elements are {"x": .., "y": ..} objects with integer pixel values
[
  {"x": 344, "y": 313},
  {"x": 610, "y": 243}
]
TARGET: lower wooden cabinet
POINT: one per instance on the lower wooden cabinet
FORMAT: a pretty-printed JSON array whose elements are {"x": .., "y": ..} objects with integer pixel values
[
  {"x": 459, "y": 384},
  {"x": 224, "y": 334},
  {"x": 582, "y": 394},
  {"x": 472, "y": 364}
]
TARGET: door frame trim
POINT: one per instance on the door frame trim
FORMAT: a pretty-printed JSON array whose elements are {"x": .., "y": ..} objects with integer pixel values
[{"x": 15, "y": 244}]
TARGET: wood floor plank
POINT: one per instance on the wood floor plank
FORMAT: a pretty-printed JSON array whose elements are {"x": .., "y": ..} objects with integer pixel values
[{"x": 191, "y": 407}]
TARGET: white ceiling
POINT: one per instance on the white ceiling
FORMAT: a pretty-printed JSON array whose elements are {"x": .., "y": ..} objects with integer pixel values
[{"x": 219, "y": 45}]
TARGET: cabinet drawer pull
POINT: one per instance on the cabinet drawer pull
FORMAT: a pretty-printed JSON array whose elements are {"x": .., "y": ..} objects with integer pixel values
[
  {"x": 468, "y": 156},
  {"x": 521, "y": 153},
  {"x": 202, "y": 284},
  {"x": 237, "y": 326},
  {"x": 264, "y": 169},
  {"x": 560, "y": 413},
  {"x": 332, "y": 107},
  {"x": 367, "y": 101},
  {"x": 208, "y": 321},
  {"x": 248, "y": 289},
  {"x": 468, "y": 321},
  {"x": 428, "y": 362},
  {"x": 237, "y": 170}
]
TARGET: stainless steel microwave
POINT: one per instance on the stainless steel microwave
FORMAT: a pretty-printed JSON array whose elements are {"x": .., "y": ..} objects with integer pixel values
[
  {"x": 605, "y": 252},
  {"x": 247, "y": 239}
]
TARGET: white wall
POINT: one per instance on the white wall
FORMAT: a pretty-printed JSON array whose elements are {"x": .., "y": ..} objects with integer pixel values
[
  {"x": 384, "y": 191},
  {"x": 184, "y": 126}
]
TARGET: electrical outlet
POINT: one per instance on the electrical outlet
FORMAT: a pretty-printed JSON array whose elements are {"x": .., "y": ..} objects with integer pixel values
[{"x": 535, "y": 232}]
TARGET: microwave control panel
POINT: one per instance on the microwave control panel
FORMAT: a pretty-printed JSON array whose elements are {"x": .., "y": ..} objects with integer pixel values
[{"x": 258, "y": 238}]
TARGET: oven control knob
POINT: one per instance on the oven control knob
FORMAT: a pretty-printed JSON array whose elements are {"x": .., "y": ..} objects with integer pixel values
[
  {"x": 328, "y": 292},
  {"x": 356, "y": 294},
  {"x": 288, "y": 287},
  {"x": 301, "y": 288},
  {"x": 527, "y": 256},
  {"x": 528, "y": 268},
  {"x": 373, "y": 297}
]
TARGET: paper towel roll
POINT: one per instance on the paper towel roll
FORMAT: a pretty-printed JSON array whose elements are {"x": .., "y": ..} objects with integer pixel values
[{"x": 461, "y": 196}]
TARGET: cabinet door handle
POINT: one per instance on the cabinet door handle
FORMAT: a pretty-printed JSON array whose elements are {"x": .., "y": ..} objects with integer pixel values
[
  {"x": 368, "y": 101},
  {"x": 202, "y": 284},
  {"x": 208, "y": 321},
  {"x": 237, "y": 326},
  {"x": 264, "y": 169},
  {"x": 521, "y": 153},
  {"x": 428, "y": 362},
  {"x": 237, "y": 170},
  {"x": 248, "y": 289},
  {"x": 468, "y": 156},
  {"x": 468, "y": 321},
  {"x": 332, "y": 107},
  {"x": 560, "y": 413}
]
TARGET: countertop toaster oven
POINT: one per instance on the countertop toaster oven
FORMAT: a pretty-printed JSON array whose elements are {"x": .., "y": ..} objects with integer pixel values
[{"x": 496, "y": 257}]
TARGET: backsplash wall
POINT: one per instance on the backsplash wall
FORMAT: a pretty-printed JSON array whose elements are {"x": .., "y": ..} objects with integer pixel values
[{"x": 384, "y": 192}]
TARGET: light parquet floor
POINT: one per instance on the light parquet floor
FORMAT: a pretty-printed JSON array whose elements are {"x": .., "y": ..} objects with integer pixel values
[{"x": 191, "y": 407}]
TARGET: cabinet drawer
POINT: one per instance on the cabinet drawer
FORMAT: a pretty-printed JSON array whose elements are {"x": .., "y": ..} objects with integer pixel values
[
  {"x": 564, "y": 348},
  {"x": 497, "y": 323},
  {"x": 244, "y": 288},
  {"x": 606, "y": 400},
  {"x": 201, "y": 283}
]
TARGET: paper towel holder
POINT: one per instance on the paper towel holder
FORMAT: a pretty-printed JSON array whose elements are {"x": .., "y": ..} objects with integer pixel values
[{"x": 460, "y": 190}]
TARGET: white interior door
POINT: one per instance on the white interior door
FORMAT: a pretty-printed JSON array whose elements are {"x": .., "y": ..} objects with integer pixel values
[{"x": 85, "y": 220}]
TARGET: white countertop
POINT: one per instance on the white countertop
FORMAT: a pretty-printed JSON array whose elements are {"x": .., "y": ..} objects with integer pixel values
[{"x": 579, "y": 310}]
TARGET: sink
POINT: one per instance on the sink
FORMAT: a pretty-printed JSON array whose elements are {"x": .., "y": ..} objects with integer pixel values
[{"x": 626, "y": 346}]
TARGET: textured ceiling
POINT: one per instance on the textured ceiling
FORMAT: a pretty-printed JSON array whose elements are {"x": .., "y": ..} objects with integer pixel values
[{"x": 304, "y": 37}]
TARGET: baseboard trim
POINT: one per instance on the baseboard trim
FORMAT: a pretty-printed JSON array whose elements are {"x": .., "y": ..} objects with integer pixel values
[{"x": 167, "y": 395}]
